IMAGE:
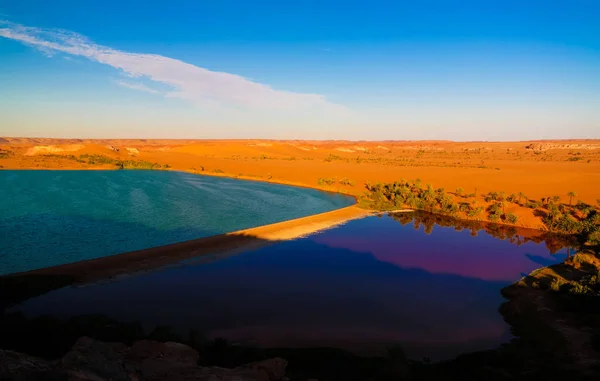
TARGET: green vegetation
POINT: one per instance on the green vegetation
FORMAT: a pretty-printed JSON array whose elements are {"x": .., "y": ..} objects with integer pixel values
[
  {"x": 331, "y": 158},
  {"x": 333, "y": 180},
  {"x": 581, "y": 220},
  {"x": 218, "y": 171},
  {"x": 405, "y": 193},
  {"x": 326, "y": 181},
  {"x": 346, "y": 181},
  {"x": 571, "y": 194},
  {"x": 95, "y": 159}
]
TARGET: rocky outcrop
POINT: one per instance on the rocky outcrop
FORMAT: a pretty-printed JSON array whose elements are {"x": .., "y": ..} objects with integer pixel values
[
  {"x": 146, "y": 360},
  {"x": 549, "y": 146},
  {"x": 52, "y": 149},
  {"x": 16, "y": 366}
]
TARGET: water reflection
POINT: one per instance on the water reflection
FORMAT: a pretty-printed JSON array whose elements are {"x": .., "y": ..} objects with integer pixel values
[
  {"x": 518, "y": 236},
  {"x": 363, "y": 286},
  {"x": 466, "y": 248}
]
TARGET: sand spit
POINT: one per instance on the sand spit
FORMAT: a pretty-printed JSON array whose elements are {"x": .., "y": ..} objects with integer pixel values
[
  {"x": 301, "y": 227},
  {"x": 202, "y": 249}
]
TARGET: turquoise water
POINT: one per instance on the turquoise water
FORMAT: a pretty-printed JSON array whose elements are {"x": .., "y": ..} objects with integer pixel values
[{"x": 55, "y": 217}]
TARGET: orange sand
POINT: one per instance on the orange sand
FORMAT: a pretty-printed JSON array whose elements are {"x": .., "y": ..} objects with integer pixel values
[{"x": 539, "y": 169}]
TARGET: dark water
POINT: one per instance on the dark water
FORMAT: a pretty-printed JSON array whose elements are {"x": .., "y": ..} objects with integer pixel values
[
  {"x": 364, "y": 286},
  {"x": 55, "y": 217}
]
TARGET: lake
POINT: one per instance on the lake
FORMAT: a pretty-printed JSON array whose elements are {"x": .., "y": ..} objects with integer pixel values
[
  {"x": 427, "y": 283},
  {"x": 55, "y": 217}
]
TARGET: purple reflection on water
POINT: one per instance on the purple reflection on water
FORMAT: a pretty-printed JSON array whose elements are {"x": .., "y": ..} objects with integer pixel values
[
  {"x": 445, "y": 250},
  {"x": 363, "y": 286}
]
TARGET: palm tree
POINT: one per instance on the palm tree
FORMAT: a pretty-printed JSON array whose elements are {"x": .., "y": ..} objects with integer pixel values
[
  {"x": 571, "y": 194},
  {"x": 503, "y": 205}
]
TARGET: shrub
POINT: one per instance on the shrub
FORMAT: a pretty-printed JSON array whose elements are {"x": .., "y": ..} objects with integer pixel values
[
  {"x": 475, "y": 212},
  {"x": 494, "y": 217},
  {"x": 96, "y": 159},
  {"x": 345, "y": 181},
  {"x": 580, "y": 289},
  {"x": 512, "y": 218},
  {"x": 326, "y": 181},
  {"x": 594, "y": 238},
  {"x": 556, "y": 284},
  {"x": 331, "y": 158}
]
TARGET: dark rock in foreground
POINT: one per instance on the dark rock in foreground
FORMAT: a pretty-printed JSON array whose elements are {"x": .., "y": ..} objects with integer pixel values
[{"x": 145, "y": 360}]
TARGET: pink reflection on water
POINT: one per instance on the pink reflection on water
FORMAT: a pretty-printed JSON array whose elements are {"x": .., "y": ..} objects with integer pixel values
[{"x": 450, "y": 252}]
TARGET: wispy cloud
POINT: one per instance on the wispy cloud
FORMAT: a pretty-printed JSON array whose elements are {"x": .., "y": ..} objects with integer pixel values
[
  {"x": 185, "y": 81},
  {"x": 137, "y": 86}
]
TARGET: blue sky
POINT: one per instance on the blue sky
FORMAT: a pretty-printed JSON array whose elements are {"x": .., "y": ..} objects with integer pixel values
[{"x": 460, "y": 70}]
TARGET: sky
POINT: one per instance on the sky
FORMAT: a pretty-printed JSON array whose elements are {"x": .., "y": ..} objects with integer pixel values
[{"x": 359, "y": 70}]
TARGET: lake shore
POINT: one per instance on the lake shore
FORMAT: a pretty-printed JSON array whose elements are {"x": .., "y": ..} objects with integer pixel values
[
  {"x": 538, "y": 169},
  {"x": 33, "y": 282}
]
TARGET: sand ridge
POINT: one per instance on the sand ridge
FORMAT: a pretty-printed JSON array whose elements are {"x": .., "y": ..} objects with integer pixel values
[{"x": 201, "y": 249}]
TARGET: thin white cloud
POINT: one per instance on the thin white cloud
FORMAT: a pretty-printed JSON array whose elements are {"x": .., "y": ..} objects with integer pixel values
[
  {"x": 137, "y": 86},
  {"x": 186, "y": 81}
]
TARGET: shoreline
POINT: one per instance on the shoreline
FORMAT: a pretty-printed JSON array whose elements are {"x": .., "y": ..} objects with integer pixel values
[
  {"x": 192, "y": 172},
  {"x": 217, "y": 246},
  {"x": 275, "y": 181}
]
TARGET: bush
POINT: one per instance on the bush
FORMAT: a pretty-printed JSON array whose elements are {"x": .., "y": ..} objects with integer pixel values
[
  {"x": 580, "y": 289},
  {"x": 556, "y": 284},
  {"x": 345, "y": 181},
  {"x": 326, "y": 181},
  {"x": 512, "y": 218},
  {"x": 475, "y": 212},
  {"x": 96, "y": 159},
  {"x": 494, "y": 217}
]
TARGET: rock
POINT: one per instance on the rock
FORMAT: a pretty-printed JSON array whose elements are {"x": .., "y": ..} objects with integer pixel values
[
  {"x": 170, "y": 351},
  {"x": 18, "y": 366},
  {"x": 269, "y": 370},
  {"x": 154, "y": 360},
  {"x": 145, "y": 360},
  {"x": 90, "y": 359}
]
